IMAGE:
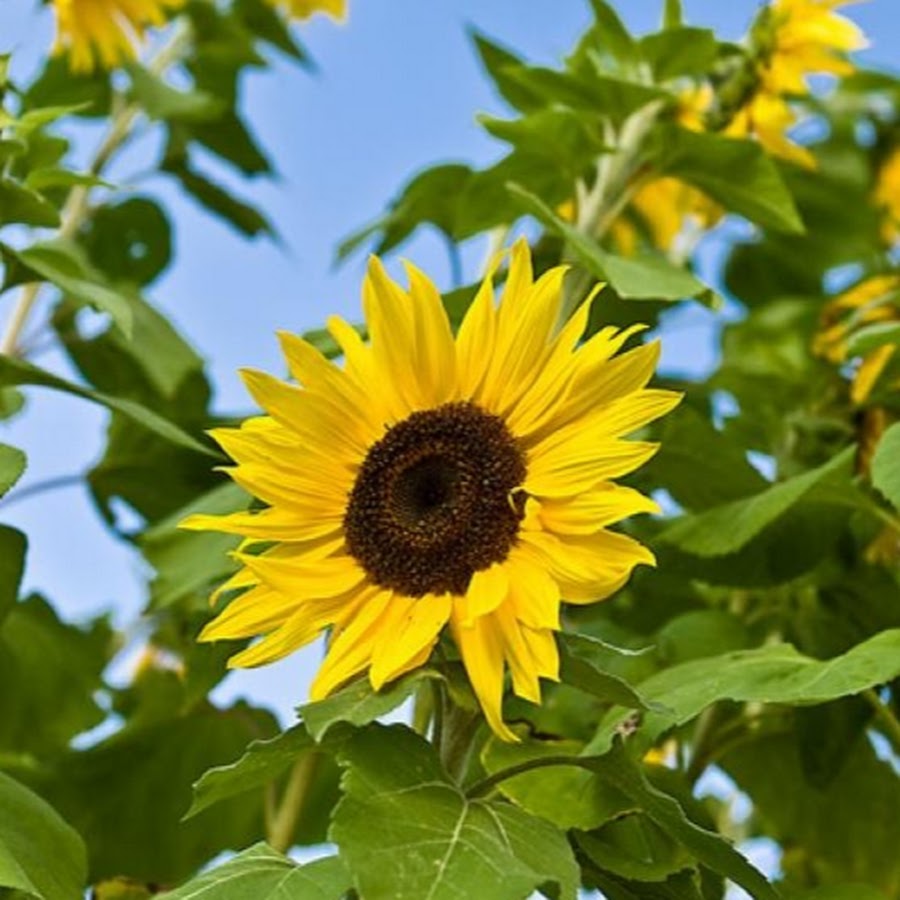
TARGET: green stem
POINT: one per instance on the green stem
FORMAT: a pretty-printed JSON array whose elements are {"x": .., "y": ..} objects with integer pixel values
[
  {"x": 455, "y": 730},
  {"x": 486, "y": 785},
  {"x": 885, "y": 716},
  {"x": 283, "y": 823}
]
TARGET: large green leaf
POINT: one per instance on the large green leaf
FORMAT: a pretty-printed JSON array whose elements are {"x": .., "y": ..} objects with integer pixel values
[
  {"x": 700, "y": 466},
  {"x": 359, "y": 704},
  {"x": 15, "y": 372},
  {"x": 161, "y": 100},
  {"x": 50, "y": 671},
  {"x": 711, "y": 163},
  {"x": 432, "y": 841},
  {"x": 20, "y": 205},
  {"x": 620, "y": 772},
  {"x": 886, "y": 465},
  {"x": 39, "y": 853},
  {"x": 568, "y": 796},
  {"x": 63, "y": 264},
  {"x": 261, "y": 763},
  {"x": 259, "y": 873},
  {"x": 585, "y": 664},
  {"x": 188, "y": 564},
  {"x": 127, "y": 794},
  {"x": 646, "y": 277},
  {"x": 844, "y": 832},
  {"x": 12, "y": 465},
  {"x": 130, "y": 241},
  {"x": 12, "y": 565},
  {"x": 726, "y": 529},
  {"x": 776, "y": 673}
]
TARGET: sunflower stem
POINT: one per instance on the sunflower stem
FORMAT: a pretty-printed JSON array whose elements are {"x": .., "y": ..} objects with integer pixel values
[
  {"x": 454, "y": 733},
  {"x": 486, "y": 785},
  {"x": 281, "y": 826},
  {"x": 76, "y": 207}
]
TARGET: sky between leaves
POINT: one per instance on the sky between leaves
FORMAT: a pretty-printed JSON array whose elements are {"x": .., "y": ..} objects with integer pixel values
[{"x": 343, "y": 142}]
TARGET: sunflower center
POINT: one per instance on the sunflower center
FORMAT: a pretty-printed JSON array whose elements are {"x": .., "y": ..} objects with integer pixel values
[{"x": 433, "y": 503}]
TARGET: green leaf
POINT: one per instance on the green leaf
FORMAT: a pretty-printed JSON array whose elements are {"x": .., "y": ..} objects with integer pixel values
[
  {"x": 63, "y": 264},
  {"x": 585, "y": 663},
  {"x": 432, "y": 841},
  {"x": 870, "y": 337},
  {"x": 776, "y": 673},
  {"x": 86, "y": 94},
  {"x": 261, "y": 763},
  {"x": 259, "y": 873},
  {"x": 726, "y": 529},
  {"x": 886, "y": 465},
  {"x": 679, "y": 51},
  {"x": 619, "y": 771},
  {"x": 245, "y": 218},
  {"x": 588, "y": 92},
  {"x": 498, "y": 63},
  {"x": 709, "y": 162},
  {"x": 39, "y": 853},
  {"x": 54, "y": 177},
  {"x": 20, "y": 205},
  {"x": 634, "y": 847},
  {"x": 263, "y": 21},
  {"x": 18, "y": 372},
  {"x": 189, "y": 563},
  {"x": 358, "y": 704},
  {"x": 610, "y": 33},
  {"x": 51, "y": 671},
  {"x": 844, "y": 832},
  {"x": 12, "y": 465},
  {"x": 148, "y": 768},
  {"x": 12, "y": 565},
  {"x": 567, "y": 796},
  {"x": 699, "y": 465},
  {"x": 162, "y": 101},
  {"x": 648, "y": 277},
  {"x": 130, "y": 241}
]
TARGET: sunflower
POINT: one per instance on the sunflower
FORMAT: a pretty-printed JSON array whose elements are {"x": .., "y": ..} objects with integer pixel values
[
  {"x": 808, "y": 37},
  {"x": 303, "y": 9},
  {"x": 871, "y": 301},
  {"x": 799, "y": 38},
  {"x": 107, "y": 32},
  {"x": 434, "y": 482}
]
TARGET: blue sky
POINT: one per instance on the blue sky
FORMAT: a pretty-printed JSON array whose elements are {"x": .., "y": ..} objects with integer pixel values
[{"x": 398, "y": 88}]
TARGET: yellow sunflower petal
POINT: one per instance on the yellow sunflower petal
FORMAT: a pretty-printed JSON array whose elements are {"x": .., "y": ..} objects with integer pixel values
[
  {"x": 589, "y": 512},
  {"x": 414, "y": 625},
  {"x": 350, "y": 652},
  {"x": 487, "y": 590},
  {"x": 481, "y": 648}
]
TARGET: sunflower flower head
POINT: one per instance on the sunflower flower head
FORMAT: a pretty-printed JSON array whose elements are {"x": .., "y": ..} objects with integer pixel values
[
  {"x": 436, "y": 483},
  {"x": 105, "y": 32},
  {"x": 808, "y": 37}
]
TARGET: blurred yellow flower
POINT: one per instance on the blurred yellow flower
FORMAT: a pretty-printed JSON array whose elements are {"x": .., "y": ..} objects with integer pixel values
[
  {"x": 105, "y": 32},
  {"x": 768, "y": 118},
  {"x": 435, "y": 482},
  {"x": 872, "y": 300},
  {"x": 805, "y": 37},
  {"x": 808, "y": 37},
  {"x": 887, "y": 196},
  {"x": 668, "y": 209},
  {"x": 303, "y": 9}
]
